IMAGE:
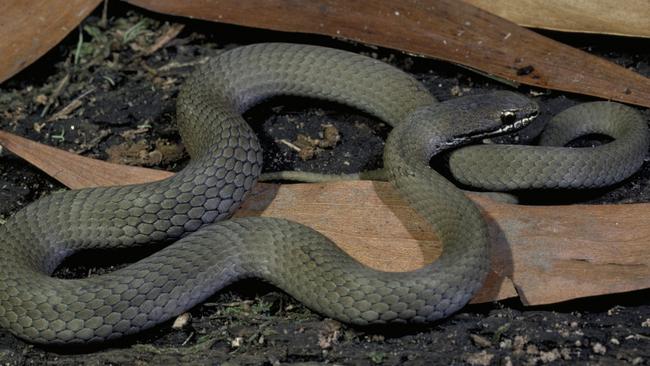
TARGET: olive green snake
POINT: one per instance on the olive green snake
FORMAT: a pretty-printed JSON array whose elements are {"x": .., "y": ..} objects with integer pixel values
[{"x": 211, "y": 252}]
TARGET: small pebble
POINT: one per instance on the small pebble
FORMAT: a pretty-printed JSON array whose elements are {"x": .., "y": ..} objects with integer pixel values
[
  {"x": 479, "y": 359},
  {"x": 599, "y": 348},
  {"x": 505, "y": 344},
  {"x": 550, "y": 356},
  {"x": 181, "y": 321},
  {"x": 237, "y": 342},
  {"x": 532, "y": 349},
  {"x": 507, "y": 361},
  {"x": 646, "y": 323},
  {"x": 566, "y": 353},
  {"x": 519, "y": 342},
  {"x": 480, "y": 341}
]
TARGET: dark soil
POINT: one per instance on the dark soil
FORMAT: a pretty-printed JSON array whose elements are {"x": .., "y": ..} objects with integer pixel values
[{"x": 109, "y": 98}]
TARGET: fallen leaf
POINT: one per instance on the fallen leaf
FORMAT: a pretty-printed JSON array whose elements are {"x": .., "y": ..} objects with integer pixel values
[
  {"x": 587, "y": 16},
  {"x": 444, "y": 29}
]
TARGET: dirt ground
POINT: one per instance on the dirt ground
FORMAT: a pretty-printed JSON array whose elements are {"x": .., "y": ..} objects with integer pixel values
[{"x": 109, "y": 92}]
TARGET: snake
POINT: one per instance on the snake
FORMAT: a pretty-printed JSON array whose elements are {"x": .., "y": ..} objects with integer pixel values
[{"x": 203, "y": 250}]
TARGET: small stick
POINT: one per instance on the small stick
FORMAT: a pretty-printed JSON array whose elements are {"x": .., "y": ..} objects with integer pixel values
[
  {"x": 292, "y": 146},
  {"x": 177, "y": 65},
  {"x": 169, "y": 35},
  {"x": 71, "y": 107},
  {"x": 55, "y": 94}
]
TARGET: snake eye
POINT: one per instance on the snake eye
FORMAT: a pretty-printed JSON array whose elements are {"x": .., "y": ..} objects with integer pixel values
[{"x": 508, "y": 118}]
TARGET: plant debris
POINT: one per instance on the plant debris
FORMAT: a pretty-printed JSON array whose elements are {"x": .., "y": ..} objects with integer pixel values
[{"x": 145, "y": 153}]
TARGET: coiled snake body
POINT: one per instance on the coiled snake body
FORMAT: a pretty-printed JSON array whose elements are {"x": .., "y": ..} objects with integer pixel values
[{"x": 226, "y": 160}]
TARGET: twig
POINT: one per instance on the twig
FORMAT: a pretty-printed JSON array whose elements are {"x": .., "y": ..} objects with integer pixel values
[
  {"x": 148, "y": 68},
  {"x": 165, "y": 38},
  {"x": 292, "y": 146},
  {"x": 71, "y": 107},
  {"x": 55, "y": 94},
  {"x": 230, "y": 304},
  {"x": 80, "y": 43},
  {"x": 187, "y": 339},
  {"x": 103, "y": 22},
  {"x": 85, "y": 147},
  {"x": 177, "y": 65}
]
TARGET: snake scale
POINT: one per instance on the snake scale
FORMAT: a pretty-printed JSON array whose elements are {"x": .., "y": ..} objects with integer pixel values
[{"x": 226, "y": 161}]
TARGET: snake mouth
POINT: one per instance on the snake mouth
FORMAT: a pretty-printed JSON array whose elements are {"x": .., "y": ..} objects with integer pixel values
[
  {"x": 510, "y": 123},
  {"x": 510, "y": 126},
  {"x": 514, "y": 125}
]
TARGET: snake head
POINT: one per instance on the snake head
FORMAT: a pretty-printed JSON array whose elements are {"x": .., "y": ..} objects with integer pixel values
[{"x": 492, "y": 114}]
